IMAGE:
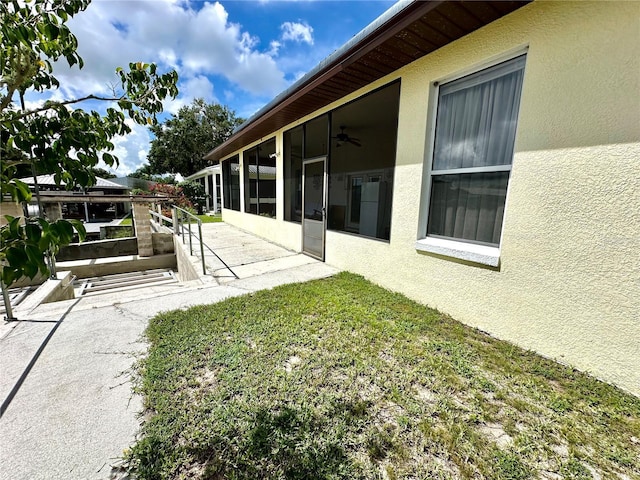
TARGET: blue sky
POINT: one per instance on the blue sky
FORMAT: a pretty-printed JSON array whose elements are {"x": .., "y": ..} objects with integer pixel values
[{"x": 238, "y": 53}]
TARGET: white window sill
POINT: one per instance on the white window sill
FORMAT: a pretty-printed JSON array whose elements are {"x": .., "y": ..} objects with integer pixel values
[{"x": 469, "y": 252}]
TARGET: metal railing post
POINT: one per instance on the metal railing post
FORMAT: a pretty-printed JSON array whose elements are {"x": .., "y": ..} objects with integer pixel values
[
  {"x": 52, "y": 266},
  {"x": 182, "y": 225},
  {"x": 179, "y": 216},
  {"x": 175, "y": 221},
  {"x": 7, "y": 303},
  {"x": 204, "y": 267}
]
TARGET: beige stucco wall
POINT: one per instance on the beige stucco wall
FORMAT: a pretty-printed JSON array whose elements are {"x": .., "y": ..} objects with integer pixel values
[{"x": 569, "y": 281}]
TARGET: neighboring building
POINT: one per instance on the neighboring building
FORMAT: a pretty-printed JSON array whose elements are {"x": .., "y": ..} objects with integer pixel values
[
  {"x": 209, "y": 178},
  {"x": 83, "y": 211},
  {"x": 480, "y": 157},
  {"x": 133, "y": 183}
]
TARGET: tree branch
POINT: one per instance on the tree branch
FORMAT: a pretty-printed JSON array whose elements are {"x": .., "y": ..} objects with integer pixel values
[{"x": 49, "y": 104}]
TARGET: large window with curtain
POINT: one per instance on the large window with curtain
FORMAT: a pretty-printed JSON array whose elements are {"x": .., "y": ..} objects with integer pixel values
[
  {"x": 260, "y": 179},
  {"x": 473, "y": 151},
  {"x": 231, "y": 183}
]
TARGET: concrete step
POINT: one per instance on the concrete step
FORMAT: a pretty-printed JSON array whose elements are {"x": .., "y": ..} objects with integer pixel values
[{"x": 123, "y": 282}]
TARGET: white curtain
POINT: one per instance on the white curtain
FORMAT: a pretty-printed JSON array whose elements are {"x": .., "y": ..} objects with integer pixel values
[
  {"x": 468, "y": 206},
  {"x": 475, "y": 127}
]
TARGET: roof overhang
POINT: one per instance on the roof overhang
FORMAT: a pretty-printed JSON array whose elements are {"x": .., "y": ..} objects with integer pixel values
[
  {"x": 210, "y": 170},
  {"x": 406, "y": 32}
]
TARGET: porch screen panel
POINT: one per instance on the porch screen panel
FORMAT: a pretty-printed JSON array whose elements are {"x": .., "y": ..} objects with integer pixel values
[
  {"x": 250, "y": 180},
  {"x": 218, "y": 187},
  {"x": 362, "y": 162},
  {"x": 267, "y": 179},
  {"x": 293, "y": 175},
  {"x": 231, "y": 181},
  {"x": 316, "y": 137},
  {"x": 212, "y": 194},
  {"x": 260, "y": 179}
]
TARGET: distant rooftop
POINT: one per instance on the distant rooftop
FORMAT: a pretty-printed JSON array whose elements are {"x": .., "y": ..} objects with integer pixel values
[{"x": 50, "y": 181}]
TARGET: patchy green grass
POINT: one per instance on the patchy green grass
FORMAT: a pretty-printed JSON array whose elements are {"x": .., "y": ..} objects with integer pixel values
[
  {"x": 341, "y": 379},
  {"x": 210, "y": 218},
  {"x": 128, "y": 220},
  {"x": 124, "y": 232}
]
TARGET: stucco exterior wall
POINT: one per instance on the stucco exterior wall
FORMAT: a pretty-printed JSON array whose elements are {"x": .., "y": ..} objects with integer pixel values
[{"x": 568, "y": 285}]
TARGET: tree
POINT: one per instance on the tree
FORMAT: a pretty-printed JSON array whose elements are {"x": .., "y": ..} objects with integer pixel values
[
  {"x": 176, "y": 196},
  {"x": 195, "y": 192},
  {"x": 57, "y": 138},
  {"x": 144, "y": 173},
  {"x": 102, "y": 173},
  {"x": 182, "y": 140}
]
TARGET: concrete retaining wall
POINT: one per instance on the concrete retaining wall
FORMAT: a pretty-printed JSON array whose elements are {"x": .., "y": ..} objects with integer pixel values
[
  {"x": 162, "y": 243},
  {"x": 109, "y": 266},
  {"x": 98, "y": 249},
  {"x": 189, "y": 268},
  {"x": 55, "y": 290}
]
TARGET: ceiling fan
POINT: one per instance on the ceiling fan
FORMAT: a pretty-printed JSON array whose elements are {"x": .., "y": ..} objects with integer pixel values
[{"x": 343, "y": 137}]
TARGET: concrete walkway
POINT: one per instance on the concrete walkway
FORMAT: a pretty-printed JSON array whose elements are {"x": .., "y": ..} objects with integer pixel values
[
  {"x": 244, "y": 254},
  {"x": 68, "y": 411}
]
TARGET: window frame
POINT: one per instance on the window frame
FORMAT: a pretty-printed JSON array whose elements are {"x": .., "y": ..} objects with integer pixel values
[
  {"x": 292, "y": 182},
  {"x": 252, "y": 156},
  {"x": 227, "y": 187},
  {"x": 468, "y": 251}
]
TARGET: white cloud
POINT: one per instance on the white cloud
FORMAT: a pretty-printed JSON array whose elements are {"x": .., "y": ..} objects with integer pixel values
[
  {"x": 195, "y": 43},
  {"x": 297, "y": 32},
  {"x": 195, "y": 87},
  {"x": 131, "y": 149},
  {"x": 199, "y": 87},
  {"x": 167, "y": 56},
  {"x": 229, "y": 95},
  {"x": 274, "y": 47}
]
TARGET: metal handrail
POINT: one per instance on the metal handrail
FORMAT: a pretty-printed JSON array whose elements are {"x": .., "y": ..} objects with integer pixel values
[
  {"x": 179, "y": 215},
  {"x": 161, "y": 219},
  {"x": 179, "y": 229}
]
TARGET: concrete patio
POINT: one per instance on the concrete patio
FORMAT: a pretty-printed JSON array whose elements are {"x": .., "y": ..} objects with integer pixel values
[{"x": 68, "y": 410}]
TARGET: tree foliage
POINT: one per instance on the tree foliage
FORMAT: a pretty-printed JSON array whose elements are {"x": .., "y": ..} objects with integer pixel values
[
  {"x": 175, "y": 196},
  {"x": 56, "y": 137},
  {"x": 144, "y": 173},
  {"x": 102, "y": 173},
  {"x": 182, "y": 140},
  {"x": 195, "y": 192}
]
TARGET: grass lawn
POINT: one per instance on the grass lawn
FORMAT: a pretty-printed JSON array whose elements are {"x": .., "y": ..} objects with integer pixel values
[
  {"x": 210, "y": 218},
  {"x": 128, "y": 220},
  {"x": 341, "y": 379}
]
